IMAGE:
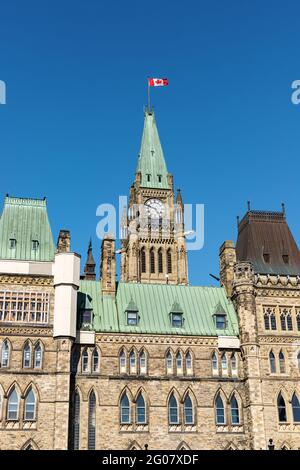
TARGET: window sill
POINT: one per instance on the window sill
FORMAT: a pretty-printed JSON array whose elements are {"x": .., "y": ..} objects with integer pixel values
[{"x": 140, "y": 428}]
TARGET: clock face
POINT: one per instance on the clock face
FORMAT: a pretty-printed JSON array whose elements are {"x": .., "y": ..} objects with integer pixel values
[{"x": 154, "y": 208}]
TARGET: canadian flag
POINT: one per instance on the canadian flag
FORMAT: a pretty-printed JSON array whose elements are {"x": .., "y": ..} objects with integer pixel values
[{"x": 158, "y": 82}]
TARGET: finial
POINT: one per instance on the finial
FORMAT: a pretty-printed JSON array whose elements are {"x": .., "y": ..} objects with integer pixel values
[
  {"x": 283, "y": 208},
  {"x": 90, "y": 243},
  {"x": 238, "y": 220},
  {"x": 248, "y": 204}
]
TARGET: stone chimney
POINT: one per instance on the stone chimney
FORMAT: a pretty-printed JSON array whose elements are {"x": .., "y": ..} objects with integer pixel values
[
  {"x": 64, "y": 241},
  {"x": 227, "y": 261},
  {"x": 108, "y": 265}
]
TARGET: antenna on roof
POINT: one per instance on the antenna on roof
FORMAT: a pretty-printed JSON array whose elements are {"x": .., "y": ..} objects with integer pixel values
[
  {"x": 283, "y": 208},
  {"x": 248, "y": 204}
]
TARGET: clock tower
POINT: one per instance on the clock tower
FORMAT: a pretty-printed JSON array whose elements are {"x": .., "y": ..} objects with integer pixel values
[{"x": 153, "y": 245}]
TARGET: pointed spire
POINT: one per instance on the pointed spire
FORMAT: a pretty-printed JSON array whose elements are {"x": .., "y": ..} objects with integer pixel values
[
  {"x": 179, "y": 198},
  {"x": 90, "y": 264},
  {"x": 151, "y": 162}
]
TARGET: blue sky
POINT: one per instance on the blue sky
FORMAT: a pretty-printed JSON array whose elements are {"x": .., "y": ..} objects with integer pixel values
[{"x": 76, "y": 85}]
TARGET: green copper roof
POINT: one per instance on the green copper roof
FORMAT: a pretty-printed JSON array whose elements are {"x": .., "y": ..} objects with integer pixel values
[
  {"x": 151, "y": 162},
  {"x": 25, "y": 220},
  {"x": 155, "y": 303}
]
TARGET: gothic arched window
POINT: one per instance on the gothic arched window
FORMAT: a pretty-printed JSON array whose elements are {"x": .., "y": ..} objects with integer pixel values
[
  {"x": 30, "y": 406},
  {"x": 152, "y": 261},
  {"x": 169, "y": 261},
  {"x": 85, "y": 361},
  {"x": 169, "y": 361},
  {"x": 188, "y": 362},
  {"x": 233, "y": 362},
  {"x": 173, "y": 410},
  {"x": 160, "y": 261},
  {"x": 37, "y": 356},
  {"x": 188, "y": 410},
  {"x": 234, "y": 409},
  {"x": 75, "y": 423},
  {"x": 92, "y": 422},
  {"x": 298, "y": 321},
  {"x": 296, "y": 408},
  {"x": 281, "y": 363},
  {"x": 27, "y": 356},
  {"x": 267, "y": 321},
  {"x": 281, "y": 409},
  {"x": 143, "y": 260},
  {"x": 122, "y": 361},
  {"x": 224, "y": 362},
  {"x": 140, "y": 410},
  {"x": 298, "y": 360},
  {"x": 219, "y": 406},
  {"x": 95, "y": 361},
  {"x": 5, "y": 353},
  {"x": 132, "y": 362},
  {"x": 272, "y": 362},
  {"x": 143, "y": 362},
  {"x": 214, "y": 362},
  {"x": 13, "y": 406},
  {"x": 125, "y": 410},
  {"x": 179, "y": 361}
]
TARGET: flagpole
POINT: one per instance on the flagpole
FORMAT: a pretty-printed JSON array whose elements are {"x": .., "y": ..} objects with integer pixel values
[{"x": 149, "y": 103}]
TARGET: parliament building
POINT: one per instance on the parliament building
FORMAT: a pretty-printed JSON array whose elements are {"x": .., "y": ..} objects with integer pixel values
[{"x": 149, "y": 362}]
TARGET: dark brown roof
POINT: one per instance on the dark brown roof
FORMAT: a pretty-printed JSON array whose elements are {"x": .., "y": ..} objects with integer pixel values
[{"x": 264, "y": 238}]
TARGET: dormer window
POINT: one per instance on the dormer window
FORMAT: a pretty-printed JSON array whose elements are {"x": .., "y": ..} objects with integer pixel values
[
  {"x": 266, "y": 257},
  {"x": 177, "y": 320},
  {"x": 159, "y": 178},
  {"x": 285, "y": 259},
  {"x": 35, "y": 245},
  {"x": 220, "y": 322},
  {"x": 12, "y": 243},
  {"x": 86, "y": 318},
  {"x": 132, "y": 318},
  {"x": 148, "y": 178}
]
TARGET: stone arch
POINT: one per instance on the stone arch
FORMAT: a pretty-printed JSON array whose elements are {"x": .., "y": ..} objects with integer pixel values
[
  {"x": 30, "y": 444},
  {"x": 134, "y": 445},
  {"x": 35, "y": 390},
  {"x": 183, "y": 446},
  {"x": 90, "y": 391}
]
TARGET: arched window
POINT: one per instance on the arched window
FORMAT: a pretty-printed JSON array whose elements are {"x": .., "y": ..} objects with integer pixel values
[
  {"x": 224, "y": 362},
  {"x": 75, "y": 424},
  {"x": 160, "y": 261},
  {"x": 281, "y": 409},
  {"x": 152, "y": 261},
  {"x": 143, "y": 364},
  {"x": 272, "y": 362},
  {"x": 283, "y": 321},
  {"x": 169, "y": 261},
  {"x": 122, "y": 360},
  {"x": 92, "y": 422},
  {"x": 281, "y": 363},
  {"x": 188, "y": 410},
  {"x": 296, "y": 408},
  {"x": 298, "y": 360},
  {"x": 214, "y": 362},
  {"x": 30, "y": 406},
  {"x": 143, "y": 260},
  {"x": 267, "y": 321},
  {"x": 173, "y": 410},
  {"x": 5, "y": 354},
  {"x": 13, "y": 405},
  {"x": 234, "y": 410},
  {"x": 289, "y": 321},
  {"x": 27, "y": 356},
  {"x": 140, "y": 410},
  {"x": 132, "y": 362},
  {"x": 220, "y": 414},
  {"x": 85, "y": 361},
  {"x": 273, "y": 321},
  {"x": 233, "y": 364},
  {"x": 169, "y": 361},
  {"x": 188, "y": 362},
  {"x": 95, "y": 361},
  {"x": 125, "y": 410},
  {"x": 37, "y": 356},
  {"x": 179, "y": 361}
]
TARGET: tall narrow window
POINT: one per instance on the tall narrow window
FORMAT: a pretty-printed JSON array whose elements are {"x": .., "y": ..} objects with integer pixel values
[
  {"x": 272, "y": 363},
  {"x": 152, "y": 261},
  {"x": 27, "y": 356},
  {"x": 220, "y": 414},
  {"x": 140, "y": 410},
  {"x": 143, "y": 366},
  {"x": 85, "y": 361},
  {"x": 173, "y": 410},
  {"x": 267, "y": 321},
  {"x": 234, "y": 409},
  {"x": 188, "y": 410},
  {"x": 75, "y": 424},
  {"x": 169, "y": 261},
  {"x": 281, "y": 363},
  {"x": 122, "y": 361},
  {"x": 281, "y": 409},
  {"x": 188, "y": 361},
  {"x": 37, "y": 356},
  {"x": 169, "y": 361},
  {"x": 298, "y": 361},
  {"x": 160, "y": 261},
  {"x": 214, "y": 362},
  {"x": 298, "y": 321},
  {"x": 224, "y": 362},
  {"x": 132, "y": 362},
  {"x": 125, "y": 410},
  {"x": 95, "y": 361},
  {"x": 283, "y": 322},
  {"x": 289, "y": 321},
  {"x": 233, "y": 364},
  {"x": 92, "y": 422},
  {"x": 30, "y": 407},
  {"x": 273, "y": 321},
  {"x": 296, "y": 408},
  {"x": 13, "y": 406},
  {"x": 143, "y": 260},
  {"x": 179, "y": 360},
  {"x": 5, "y": 354}
]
